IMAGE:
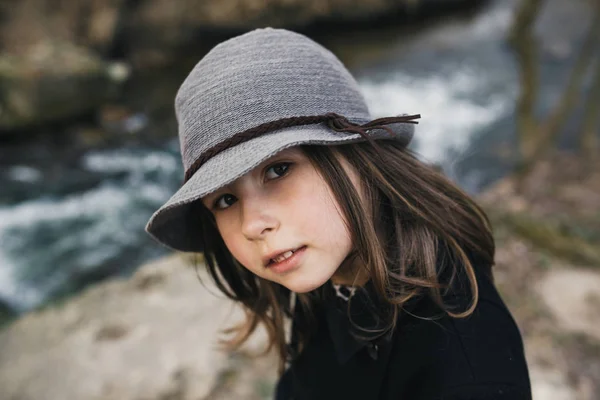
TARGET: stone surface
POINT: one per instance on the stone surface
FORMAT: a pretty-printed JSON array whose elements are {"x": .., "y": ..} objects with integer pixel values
[
  {"x": 150, "y": 29},
  {"x": 150, "y": 337},
  {"x": 51, "y": 81},
  {"x": 54, "y": 61},
  {"x": 91, "y": 24},
  {"x": 573, "y": 297},
  {"x": 550, "y": 384},
  {"x": 6, "y": 313},
  {"x": 552, "y": 293}
]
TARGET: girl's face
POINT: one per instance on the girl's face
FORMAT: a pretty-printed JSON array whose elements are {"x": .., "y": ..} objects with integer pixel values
[{"x": 281, "y": 222}]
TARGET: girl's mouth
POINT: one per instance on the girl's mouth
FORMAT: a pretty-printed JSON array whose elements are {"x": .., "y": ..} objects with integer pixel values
[
  {"x": 283, "y": 256},
  {"x": 286, "y": 261}
]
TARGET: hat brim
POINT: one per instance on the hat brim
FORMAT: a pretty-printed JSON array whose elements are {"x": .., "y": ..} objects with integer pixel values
[{"x": 169, "y": 224}]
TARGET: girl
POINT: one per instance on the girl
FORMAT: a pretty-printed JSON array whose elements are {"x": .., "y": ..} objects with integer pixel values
[{"x": 309, "y": 211}]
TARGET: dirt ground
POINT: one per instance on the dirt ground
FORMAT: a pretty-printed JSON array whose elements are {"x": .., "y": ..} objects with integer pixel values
[{"x": 548, "y": 271}]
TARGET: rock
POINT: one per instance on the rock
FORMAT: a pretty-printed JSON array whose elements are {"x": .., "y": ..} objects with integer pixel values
[
  {"x": 44, "y": 79},
  {"x": 89, "y": 24},
  {"x": 550, "y": 384},
  {"x": 6, "y": 313},
  {"x": 152, "y": 336},
  {"x": 149, "y": 31},
  {"x": 156, "y": 27},
  {"x": 577, "y": 309},
  {"x": 54, "y": 80}
]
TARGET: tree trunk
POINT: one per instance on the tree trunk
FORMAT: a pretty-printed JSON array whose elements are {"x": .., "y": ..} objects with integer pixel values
[
  {"x": 524, "y": 44},
  {"x": 551, "y": 128}
]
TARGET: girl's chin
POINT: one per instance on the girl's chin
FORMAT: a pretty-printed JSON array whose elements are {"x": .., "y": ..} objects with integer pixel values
[
  {"x": 302, "y": 288},
  {"x": 299, "y": 285}
]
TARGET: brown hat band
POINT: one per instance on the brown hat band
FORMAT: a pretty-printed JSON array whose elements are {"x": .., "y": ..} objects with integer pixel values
[{"x": 335, "y": 121}]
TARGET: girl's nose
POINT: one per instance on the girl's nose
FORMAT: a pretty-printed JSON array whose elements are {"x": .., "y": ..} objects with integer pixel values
[{"x": 257, "y": 219}]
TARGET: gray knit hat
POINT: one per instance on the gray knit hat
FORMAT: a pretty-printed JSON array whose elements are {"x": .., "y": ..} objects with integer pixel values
[{"x": 251, "y": 97}]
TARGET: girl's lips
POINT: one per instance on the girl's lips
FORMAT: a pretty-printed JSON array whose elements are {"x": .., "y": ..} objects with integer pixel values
[{"x": 289, "y": 263}]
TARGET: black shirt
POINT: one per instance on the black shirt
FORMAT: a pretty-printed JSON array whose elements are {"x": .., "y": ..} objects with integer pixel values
[{"x": 474, "y": 358}]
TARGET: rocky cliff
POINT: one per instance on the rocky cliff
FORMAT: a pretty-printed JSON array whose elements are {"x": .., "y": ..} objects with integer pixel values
[{"x": 58, "y": 57}]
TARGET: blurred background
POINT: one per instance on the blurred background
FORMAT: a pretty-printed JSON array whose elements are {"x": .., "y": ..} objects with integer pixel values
[{"x": 92, "y": 308}]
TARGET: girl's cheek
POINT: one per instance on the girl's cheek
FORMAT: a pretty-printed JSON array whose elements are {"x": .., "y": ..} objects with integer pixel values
[
  {"x": 227, "y": 232},
  {"x": 237, "y": 251},
  {"x": 236, "y": 244},
  {"x": 225, "y": 224}
]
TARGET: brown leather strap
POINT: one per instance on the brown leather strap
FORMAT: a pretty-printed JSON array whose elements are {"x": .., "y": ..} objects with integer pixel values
[{"x": 336, "y": 122}]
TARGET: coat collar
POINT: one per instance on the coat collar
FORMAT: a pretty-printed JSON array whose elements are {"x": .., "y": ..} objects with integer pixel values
[
  {"x": 334, "y": 353},
  {"x": 357, "y": 323}
]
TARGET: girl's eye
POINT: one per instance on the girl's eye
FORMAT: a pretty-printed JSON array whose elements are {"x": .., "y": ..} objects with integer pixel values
[
  {"x": 225, "y": 201},
  {"x": 273, "y": 172},
  {"x": 277, "y": 170}
]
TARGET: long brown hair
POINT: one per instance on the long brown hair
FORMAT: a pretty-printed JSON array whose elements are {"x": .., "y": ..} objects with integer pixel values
[{"x": 410, "y": 213}]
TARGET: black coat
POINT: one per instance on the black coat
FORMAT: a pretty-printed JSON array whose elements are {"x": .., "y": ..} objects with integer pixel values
[{"x": 474, "y": 358}]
